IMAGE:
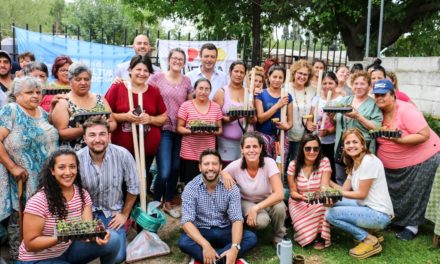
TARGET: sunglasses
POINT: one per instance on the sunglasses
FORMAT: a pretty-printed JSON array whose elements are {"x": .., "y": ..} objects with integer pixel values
[{"x": 309, "y": 149}]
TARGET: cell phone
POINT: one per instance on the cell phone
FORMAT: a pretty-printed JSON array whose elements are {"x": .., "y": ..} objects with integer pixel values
[
  {"x": 137, "y": 110},
  {"x": 221, "y": 260}
]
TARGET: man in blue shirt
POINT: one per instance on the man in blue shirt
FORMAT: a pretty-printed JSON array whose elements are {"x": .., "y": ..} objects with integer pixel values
[{"x": 211, "y": 216}]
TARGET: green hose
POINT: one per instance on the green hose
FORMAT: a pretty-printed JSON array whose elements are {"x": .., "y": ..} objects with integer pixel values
[{"x": 150, "y": 221}]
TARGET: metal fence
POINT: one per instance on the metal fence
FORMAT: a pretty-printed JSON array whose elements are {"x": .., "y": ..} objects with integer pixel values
[{"x": 285, "y": 50}]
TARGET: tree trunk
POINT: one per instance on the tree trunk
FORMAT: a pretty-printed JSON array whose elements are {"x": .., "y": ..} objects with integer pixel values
[{"x": 256, "y": 32}]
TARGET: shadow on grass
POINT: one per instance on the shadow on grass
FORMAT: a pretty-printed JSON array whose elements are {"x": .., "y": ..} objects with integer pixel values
[{"x": 416, "y": 251}]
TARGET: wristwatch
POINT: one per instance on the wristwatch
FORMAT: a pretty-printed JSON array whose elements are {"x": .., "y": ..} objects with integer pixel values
[{"x": 236, "y": 245}]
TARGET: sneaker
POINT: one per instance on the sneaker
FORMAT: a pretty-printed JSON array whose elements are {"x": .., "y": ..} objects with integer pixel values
[
  {"x": 365, "y": 250},
  {"x": 405, "y": 235},
  {"x": 174, "y": 212},
  {"x": 193, "y": 261},
  {"x": 241, "y": 261}
]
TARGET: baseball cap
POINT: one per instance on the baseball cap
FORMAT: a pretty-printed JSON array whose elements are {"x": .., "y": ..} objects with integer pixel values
[
  {"x": 383, "y": 86},
  {"x": 5, "y": 54}
]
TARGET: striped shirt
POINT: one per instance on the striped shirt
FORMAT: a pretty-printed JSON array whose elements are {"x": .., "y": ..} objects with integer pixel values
[
  {"x": 104, "y": 183},
  {"x": 205, "y": 210},
  {"x": 173, "y": 96},
  {"x": 37, "y": 205},
  {"x": 194, "y": 144}
]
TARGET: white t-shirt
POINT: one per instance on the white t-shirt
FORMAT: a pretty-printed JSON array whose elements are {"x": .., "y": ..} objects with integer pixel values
[
  {"x": 378, "y": 197},
  {"x": 253, "y": 189}
]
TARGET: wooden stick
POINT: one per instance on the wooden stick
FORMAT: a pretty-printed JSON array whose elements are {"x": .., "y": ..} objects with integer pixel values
[
  {"x": 284, "y": 92},
  {"x": 318, "y": 92},
  {"x": 324, "y": 115},
  {"x": 134, "y": 130},
  {"x": 143, "y": 195},
  {"x": 246, "y": 92},
  {"x": 20, "y": 207},
  {"x": 252, "y": 88}
]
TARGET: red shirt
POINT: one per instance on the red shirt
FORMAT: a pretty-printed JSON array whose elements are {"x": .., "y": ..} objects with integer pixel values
[{"x": 117, "y": 97}]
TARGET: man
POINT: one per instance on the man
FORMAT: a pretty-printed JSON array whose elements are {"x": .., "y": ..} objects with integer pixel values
[
  {"x": 103, "y": 168},
  {"x": 5, "y": 76},
  {"x": 141, "y": 46},
  {"x": 208, "y": 59},
  {"x": 211, "y": 216}
]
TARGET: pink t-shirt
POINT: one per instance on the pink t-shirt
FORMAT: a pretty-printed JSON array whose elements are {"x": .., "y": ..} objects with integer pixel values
[
  {"x": 254, "y": 189},
  {"x": 173, "y": 96},
  {"x": 402, "y": 96},
  {"x": 37, "y": 205},
  {"x": 194, "y": 144},
  {"x": 410, "y": 121}
]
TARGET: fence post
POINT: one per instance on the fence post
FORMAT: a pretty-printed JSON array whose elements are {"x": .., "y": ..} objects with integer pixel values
[
  {"x": 14, "y": 49},
  {"x": 285, "y": 52},
  {"x": 53, "y": 29},
  {"x": 334, "y": 51},
  {"x": 314, "y": 47},
  {"x": 125, "y": 37},
  {"x": 102, "y": 35},
  {"x": 78, "y": 32},
  {"x": 328, "y": 51},
  {"x": 40, "y": 28},
  {"x": 65, "y": 31}
]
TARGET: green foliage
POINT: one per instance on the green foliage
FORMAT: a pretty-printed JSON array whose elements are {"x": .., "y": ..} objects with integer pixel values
[
  {"x": 434, "y": 123},
  {"x": 422, "y": 41},
  {"x": 99, "y": 20},
  {"x": 22, "y": 12}
]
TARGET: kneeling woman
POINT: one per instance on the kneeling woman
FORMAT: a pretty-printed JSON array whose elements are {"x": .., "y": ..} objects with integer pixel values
[
  {"x": 369, "y": 205},
  {"x": 261, "y": 189},
  {"x": 310, "y": 172},
  {"x": 61, "y": 197}
]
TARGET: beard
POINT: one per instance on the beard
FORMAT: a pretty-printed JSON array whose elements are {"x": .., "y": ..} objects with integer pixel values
[
  {"x": 4, "y": 75},
  {"x": 210, "y": 180}
]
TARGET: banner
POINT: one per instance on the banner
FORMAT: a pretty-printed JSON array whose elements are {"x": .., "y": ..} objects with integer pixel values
[
  {"x": 101, "y": 58},
  {"x": 227, "y": 53}
]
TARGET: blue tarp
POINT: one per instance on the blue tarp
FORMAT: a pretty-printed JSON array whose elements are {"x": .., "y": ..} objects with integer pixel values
[{"x": 101, "y": 58}]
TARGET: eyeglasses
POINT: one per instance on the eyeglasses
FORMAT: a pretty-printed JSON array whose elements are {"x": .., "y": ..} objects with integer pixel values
[
  {"x": 177, "y": 59},
  {"x": 309, "y": 149},
  {"x": 302, "y": 74}
]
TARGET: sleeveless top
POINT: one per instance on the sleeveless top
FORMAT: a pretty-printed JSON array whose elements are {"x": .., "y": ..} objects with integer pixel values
[{"x": 231, "y": 130}]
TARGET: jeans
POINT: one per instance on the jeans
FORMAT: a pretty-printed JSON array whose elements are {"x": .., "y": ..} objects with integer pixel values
[
  {"x": 83, "y": 252},
  {"x": 349, "y": 216},
  {"x": 168, "y": 165},
  {"x": 293, "y": 150},
  {"x": 219, "y": 238},
  {"x": 120, "y": 234},
  {"x": 340, "y": 176}
]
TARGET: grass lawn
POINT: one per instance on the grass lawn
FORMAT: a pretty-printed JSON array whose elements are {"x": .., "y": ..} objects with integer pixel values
[{"x": 394, "y": 251}]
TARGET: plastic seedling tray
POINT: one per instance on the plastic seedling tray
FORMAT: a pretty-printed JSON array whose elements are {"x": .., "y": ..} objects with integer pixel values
[
  {"x": 82, "y": 117},
  {"x": 80, "y": 230},
  {"x": 386, "y": 133},
  {"x": 54, "y": 91},
  {"x": 241, "y": 112},
  {"x": 338, "y": 109}
]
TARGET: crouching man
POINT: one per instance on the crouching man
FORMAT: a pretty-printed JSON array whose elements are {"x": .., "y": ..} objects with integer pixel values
[{"x": 212, "y": 217}]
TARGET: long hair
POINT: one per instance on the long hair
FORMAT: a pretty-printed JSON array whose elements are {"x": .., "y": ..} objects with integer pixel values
[
  {"x": 348, "y": 160},
  {"x": 298, "y": 65},
  {"x": 50, "y": 187},
  {"x": 301, "y": 157},
  {"x": 256, "y": 135}
]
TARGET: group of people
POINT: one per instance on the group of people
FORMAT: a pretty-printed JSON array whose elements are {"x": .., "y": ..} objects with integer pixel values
[{"x": 57, "y": 169}]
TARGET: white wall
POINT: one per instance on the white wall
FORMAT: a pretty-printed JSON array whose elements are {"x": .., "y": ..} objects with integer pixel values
[{"x": 419, "y": 77}]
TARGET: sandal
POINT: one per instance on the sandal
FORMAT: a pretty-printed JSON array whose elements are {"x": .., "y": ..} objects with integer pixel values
[{"x": 365, "y": 250}]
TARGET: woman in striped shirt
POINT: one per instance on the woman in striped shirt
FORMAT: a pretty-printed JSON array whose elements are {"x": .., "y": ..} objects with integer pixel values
[
  {"x": 61, "y": 197},
  {"x": 310, "y": 172},
  {"x": 193, "y": 113}
]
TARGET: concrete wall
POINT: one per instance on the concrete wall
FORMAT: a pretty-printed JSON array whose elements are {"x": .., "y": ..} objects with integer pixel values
[{"x": 419, "y": 77}]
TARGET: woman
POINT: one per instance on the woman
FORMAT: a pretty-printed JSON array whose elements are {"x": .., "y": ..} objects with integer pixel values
[
  {"x": 310, "y": 172},
  {"x": 26, "y": 139},
  {"x": 175, "y": 89},
  {"x": 39, "y": 70},
  {"x": 193, "y": 143},
  {"x": 79, "y": 100},
  {"x": 302, "y": 94},
  {"x": 399, "y": 94},
  {"x": 317, "y": 65},
  {"x": 259, "y": 80},
  {"x": 377, "y": 73},
  {"x": 229, "y": 97},
  {"x": 327, "y": 133},
  {"x": 268, "y": 105},
  {"x": 61, "y": 197},
  {"x": 154, "y": 112},
  {"x": 343, "y": 73},
  {"x": 365, "y": 116},
  {"x": 60, "y": 72},
  {"x": 367, "y": 203},
  {"x": 410, "y": 161},
  {"x": 261, "y": 189}
]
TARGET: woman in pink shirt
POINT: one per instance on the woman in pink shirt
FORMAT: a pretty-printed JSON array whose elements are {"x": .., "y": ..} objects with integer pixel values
[
  {"x": 261, "y": 188},
  {"x": 410, "y": 161},
  {"x": 61, "y": 197}
]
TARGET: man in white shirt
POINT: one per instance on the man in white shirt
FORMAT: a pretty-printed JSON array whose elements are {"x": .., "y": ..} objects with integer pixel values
[
  {"x": 5, "y": 76},
  {"x": 208, "y": 58},
  {"x": 141, "y": 46}
]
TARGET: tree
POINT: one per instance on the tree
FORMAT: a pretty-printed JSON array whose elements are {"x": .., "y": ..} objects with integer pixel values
[
  {"x": 325, "y": 18},
  {"x": 100, "y": 20},
  {"x": 57, "y": 12}
]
